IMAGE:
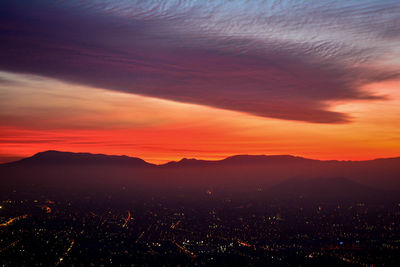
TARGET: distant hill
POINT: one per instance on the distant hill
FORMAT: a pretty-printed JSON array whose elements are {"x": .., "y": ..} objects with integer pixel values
[
  {"x": 58, "y": 157},
  {"x": 236, "y": 172},
  {"x": 238, "y": 160}
]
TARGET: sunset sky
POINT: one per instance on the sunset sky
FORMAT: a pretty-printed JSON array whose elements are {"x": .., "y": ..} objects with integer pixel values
[{"x": 163, "y": 80}]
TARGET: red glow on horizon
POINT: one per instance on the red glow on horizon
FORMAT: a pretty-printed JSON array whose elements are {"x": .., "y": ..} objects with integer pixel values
[{"x": 159, "y": 131}]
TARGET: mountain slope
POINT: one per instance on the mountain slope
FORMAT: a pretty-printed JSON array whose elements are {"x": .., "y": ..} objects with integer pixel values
[
  {"x": 241, "y": 171},
  {"x": 58, "y": 157}
]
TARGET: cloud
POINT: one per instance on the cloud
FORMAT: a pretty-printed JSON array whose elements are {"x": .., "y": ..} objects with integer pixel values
[
  {"x": 7, "y": 82},
  {"x": 278, "y": 59}
]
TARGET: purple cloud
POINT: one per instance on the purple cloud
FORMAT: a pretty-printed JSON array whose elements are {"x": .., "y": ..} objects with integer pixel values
[{"x": 286, "y": 61}]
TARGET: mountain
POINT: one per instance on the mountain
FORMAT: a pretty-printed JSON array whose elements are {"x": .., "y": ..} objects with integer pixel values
[
  {"x": 58, "y": 157},
  {"x": 263, "y": 159},
  {"x": 244, "y": 172},
  {"x": 249, "y": 160}
]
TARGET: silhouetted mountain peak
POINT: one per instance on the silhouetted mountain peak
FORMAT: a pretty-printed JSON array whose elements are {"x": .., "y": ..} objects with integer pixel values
[
  {"x": 60, "y": 157},
  {"x": 259, "y": 159},
  {"x": 238, "y": 160},
  {"x": 185, "y": 162}
]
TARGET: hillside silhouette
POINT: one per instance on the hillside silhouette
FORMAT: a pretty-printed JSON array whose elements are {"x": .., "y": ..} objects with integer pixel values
[{"x": 235, "y": 173}]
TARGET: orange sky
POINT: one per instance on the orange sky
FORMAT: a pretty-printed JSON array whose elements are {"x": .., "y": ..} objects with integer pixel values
[{"x": 38, "y": 114}]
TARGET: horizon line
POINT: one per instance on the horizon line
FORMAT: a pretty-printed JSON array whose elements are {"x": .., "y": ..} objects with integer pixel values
[{"x": 199, "y": 159}]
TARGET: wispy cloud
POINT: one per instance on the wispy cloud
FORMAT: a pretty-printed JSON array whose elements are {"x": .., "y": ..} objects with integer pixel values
[{"x": 279, "y": 59}]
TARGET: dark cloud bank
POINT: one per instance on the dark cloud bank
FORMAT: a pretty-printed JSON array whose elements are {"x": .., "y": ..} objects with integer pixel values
[{"x": 279, "y": 64}]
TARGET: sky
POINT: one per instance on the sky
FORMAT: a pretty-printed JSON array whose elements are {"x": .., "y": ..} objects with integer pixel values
[{"x": 163, "y": 80}]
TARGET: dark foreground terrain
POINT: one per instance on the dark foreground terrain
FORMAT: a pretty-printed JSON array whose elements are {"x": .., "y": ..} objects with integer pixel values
[
  {"x": 326, "y": 221},
  {"x": 119, "y": 229}
]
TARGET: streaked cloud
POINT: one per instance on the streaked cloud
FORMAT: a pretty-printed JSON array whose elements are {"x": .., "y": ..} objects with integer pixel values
[
  {"x": 38, "y": 114},
  {"x": 289, "y": 60}
]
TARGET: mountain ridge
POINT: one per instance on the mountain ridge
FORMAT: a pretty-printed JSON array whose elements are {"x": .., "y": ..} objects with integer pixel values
[
  {"x": 55, "y": 155},
  {"x": 235, "y": 171}
]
